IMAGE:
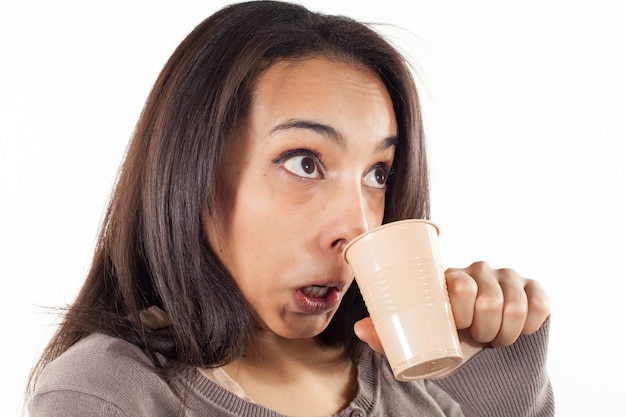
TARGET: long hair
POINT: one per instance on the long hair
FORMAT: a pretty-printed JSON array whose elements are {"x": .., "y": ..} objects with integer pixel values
[{"x": 152, "y": 249}]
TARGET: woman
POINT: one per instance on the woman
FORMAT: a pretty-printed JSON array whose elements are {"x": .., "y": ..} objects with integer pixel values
[{"x": 272, "y": 137}]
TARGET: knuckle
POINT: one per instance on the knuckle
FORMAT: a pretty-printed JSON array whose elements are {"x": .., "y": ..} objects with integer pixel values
[
  {"x": 463, "y": 287},
  {"x": 489, "y": 304},
  {"x": 480, "y": 266},
  {"x": 507, "y": 273},
  {"x": 516, "y": 311},
  {"x": 540, "y": 305}
]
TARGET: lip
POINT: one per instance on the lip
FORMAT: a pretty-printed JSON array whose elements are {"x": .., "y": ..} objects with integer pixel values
[{"x": 317, "y": 305}]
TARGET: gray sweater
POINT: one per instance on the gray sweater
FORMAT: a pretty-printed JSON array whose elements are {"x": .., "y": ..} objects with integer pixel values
[{"x": 105, "y": 376}]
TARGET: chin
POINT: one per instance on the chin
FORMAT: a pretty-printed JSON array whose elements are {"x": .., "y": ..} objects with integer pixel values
[{"x": 307, "y": 328}]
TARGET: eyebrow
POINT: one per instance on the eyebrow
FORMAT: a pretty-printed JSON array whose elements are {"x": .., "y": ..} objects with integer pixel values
[{"x": 329, "y": 132}]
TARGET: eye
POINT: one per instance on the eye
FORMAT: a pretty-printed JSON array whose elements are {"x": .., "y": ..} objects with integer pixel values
[
  {"x": 302, "y": 163},
  {"x": 377, "y": 176}
]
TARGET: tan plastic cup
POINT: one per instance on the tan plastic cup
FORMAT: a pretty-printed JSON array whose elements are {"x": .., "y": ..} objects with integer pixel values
[{"x": 399, "y": 270}]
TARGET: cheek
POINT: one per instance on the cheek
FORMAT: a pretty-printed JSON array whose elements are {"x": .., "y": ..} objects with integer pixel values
[
  {"x": 375, "y": 208},
  {"x": 255, "y": 226},
  {"x": 275, "y": 202}
]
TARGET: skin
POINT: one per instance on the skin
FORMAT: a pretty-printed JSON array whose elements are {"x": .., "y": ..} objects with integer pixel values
[
  {"x": 304, "y": 184},
  {"x": 307, "y": 177},
  {"x": 491, "y": 307}
]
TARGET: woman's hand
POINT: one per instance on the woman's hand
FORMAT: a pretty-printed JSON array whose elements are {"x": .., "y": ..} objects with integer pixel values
[{"x": 490, "y": 306}]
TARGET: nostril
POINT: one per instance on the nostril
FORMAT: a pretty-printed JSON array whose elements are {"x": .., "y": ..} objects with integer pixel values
[{"x": 339, "y": 244}]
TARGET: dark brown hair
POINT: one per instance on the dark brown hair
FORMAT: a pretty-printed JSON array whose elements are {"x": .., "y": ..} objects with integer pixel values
[{"x": 152, "y": 249}]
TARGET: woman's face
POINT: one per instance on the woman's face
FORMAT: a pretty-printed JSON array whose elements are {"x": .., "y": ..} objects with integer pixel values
[{"x": 317, "y": 148}]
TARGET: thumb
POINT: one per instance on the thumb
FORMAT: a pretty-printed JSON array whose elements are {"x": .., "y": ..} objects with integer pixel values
[{"x": 364, "y": 330}]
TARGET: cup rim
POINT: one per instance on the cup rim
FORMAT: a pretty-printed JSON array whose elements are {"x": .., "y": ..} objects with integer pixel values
[{"x": 384, "y": 226}]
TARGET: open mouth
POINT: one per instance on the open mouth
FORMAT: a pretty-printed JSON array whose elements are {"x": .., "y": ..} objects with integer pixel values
[
  {"x": 315, "y": 291},
  {"x": 315, "y": 299}
]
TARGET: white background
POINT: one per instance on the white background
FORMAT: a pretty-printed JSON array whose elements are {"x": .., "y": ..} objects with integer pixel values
[{"x": 525, "y": 105}]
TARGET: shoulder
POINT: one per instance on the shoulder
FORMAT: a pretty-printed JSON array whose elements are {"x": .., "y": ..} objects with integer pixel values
[
  {"x": 97, "y": 359},
  {"x": 106, "y": 372}
]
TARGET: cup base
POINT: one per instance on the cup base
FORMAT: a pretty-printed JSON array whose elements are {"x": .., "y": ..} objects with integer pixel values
[{"x": 428, "y": 365}]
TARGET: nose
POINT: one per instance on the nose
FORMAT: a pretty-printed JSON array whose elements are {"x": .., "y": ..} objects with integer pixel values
[{"x": 349, "y": 214}]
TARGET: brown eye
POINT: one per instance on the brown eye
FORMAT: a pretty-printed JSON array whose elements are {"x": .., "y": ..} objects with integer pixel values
[
  {"x": 380, "y": 175},
  {"x": 305, "y": 166},
  {"x": 308, "y": 165},
  {"x": 376, "y": 177}
]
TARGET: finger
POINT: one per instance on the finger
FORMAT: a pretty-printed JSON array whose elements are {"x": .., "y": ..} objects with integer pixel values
[
  {"x": 489, "y": 303},
  {"x": 538, "y": 307},
  {"x": 462, "y": 291},
  {"x": 364, "y": 330},
  {"x": 469, "y": 346},
  {"x": 515, "y": 308}
]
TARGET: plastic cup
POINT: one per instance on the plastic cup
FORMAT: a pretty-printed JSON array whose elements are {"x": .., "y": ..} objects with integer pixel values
[{"x": 399, "y": 271}]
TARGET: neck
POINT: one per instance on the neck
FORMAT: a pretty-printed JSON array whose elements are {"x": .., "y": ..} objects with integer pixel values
[
  {"x": 269, "y": 352},
  {"x": 290, "y": 376}
]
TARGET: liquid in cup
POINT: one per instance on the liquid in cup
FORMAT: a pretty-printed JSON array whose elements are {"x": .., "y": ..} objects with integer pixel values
[{"x": 399, "y": 271}]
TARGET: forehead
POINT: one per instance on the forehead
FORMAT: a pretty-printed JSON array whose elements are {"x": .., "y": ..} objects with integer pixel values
[
  {"x": 308, "y": 75},
  {"x": 322, "y": 88}
]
